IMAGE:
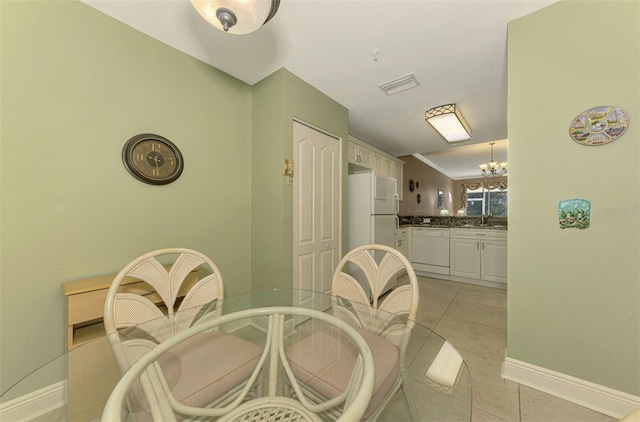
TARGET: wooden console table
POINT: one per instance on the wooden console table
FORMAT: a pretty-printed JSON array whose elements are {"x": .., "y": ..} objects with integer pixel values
[
  {"x": 95, "y": 361},
  {"x": 85, "y": 304}
]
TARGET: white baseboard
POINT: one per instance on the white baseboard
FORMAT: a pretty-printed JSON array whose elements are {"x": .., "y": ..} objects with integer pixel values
[
  {"x": 435, "y": 269},
  {"x": 593, "y": 396},
  {"x": 47, "y": 399},
  {"x": 485, "y": 283},
  {"x": 34, "y": 404}
]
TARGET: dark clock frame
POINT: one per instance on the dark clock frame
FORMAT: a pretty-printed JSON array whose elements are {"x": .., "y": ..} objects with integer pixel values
[{"x": 130, "y": 165}]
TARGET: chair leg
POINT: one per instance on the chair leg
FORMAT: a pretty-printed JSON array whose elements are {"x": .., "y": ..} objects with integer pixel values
[
  {"x": 406, "y": 391},
  {"x": 259, "y": 386},
  {"x": 286, "y": 389}
]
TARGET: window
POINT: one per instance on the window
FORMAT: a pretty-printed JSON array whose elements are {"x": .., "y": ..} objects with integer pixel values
[{"x": 487, "y": 201}]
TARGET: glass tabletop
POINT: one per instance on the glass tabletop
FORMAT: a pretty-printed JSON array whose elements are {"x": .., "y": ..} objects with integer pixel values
[{"x": 438, "y": 380}]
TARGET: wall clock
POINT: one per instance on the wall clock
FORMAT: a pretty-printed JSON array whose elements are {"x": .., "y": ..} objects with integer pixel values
[{"x": 152, "y": 159}]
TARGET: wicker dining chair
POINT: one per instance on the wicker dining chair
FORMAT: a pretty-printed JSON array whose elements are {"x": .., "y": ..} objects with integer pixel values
[
  {"x": 385, "y": 325},
  {"x": 271, "y": 407},
  {"x": 158, "y": 295}
]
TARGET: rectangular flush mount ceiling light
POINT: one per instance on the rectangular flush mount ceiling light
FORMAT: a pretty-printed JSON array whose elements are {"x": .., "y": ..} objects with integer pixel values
[{"x": 449, "y": 123}]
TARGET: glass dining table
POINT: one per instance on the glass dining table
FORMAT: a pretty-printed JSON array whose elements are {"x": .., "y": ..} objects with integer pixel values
[{"x": 436, "y": 377}]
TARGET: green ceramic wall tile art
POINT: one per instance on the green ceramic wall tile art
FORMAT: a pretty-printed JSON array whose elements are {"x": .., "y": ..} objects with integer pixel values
[{"x": 574, "y": 213}]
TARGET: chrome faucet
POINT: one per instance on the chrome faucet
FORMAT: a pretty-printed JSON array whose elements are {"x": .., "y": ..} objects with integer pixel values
[{"x": 484, "y": 218}]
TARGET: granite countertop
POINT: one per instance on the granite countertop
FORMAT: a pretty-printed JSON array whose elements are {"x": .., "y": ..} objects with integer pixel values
[
  {"x": 493, "y": 223},
  {"x": 468, "y": 226},
  {"x": 487, "y": 227}
]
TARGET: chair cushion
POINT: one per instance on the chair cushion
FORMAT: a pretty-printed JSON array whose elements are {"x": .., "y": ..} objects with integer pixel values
[
  {"x": 324, "y": 362},
  {"x": 203, "y": 368}
]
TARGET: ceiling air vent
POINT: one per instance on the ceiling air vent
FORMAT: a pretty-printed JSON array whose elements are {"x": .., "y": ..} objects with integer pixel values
[{"x": 399, "y": 84}]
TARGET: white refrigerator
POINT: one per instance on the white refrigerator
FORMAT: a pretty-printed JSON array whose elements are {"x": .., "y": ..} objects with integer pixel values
[{"x": 373, "y": 215}]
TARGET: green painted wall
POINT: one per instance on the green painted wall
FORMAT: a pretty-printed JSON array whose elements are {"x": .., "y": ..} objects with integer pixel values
[
  {"x": 76, "y": 85},
  {"x": 574, "y": 295},
  {"x": 277, "y": 100}
]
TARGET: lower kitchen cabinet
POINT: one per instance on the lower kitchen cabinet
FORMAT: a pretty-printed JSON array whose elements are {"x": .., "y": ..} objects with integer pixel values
[
  {"x": 403, "y": 241},
  {"x": 464, "y": 257},
  {"x": 479, "y": 254},
  {"x": 403, "y": 244},
  {"x": 493, "y": 260}
]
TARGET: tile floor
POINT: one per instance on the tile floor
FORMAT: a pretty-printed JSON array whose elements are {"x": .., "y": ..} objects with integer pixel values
[{"x": 474, "y": 320}]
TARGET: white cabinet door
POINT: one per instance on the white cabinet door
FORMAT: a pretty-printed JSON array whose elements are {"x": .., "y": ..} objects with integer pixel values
[
  {"x": 378, "y": 164},
  {"x": 404, "y": 233},
  {"x": 366, "y": 157},
  {"x": 384, "y": 165},
  {"x": 464, "y": 257},
  {"x": 360, "y": 156},
  {"x": 494, "y": 260},
  {"x": 479, "y": 254},
  {"x": 354, "y": 157},
  {"x": 402, "y": 245},
  {"x": 388, "y": 167},
  {"x": 397, "y": 170}
]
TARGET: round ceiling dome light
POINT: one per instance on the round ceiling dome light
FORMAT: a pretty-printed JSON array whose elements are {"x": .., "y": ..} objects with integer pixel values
[{"x": 237, "y": 16}]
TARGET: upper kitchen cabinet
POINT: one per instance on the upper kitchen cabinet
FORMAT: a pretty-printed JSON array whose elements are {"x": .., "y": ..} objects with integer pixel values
[
  {"x": 360, "y": 155},
  {"x": 397, "y": 171},
  {"x": 363, "y": 156}
]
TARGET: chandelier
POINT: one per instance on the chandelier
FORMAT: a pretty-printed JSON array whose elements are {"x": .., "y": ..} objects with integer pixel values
[
  {"x": 237, "y": 16},
  {"x": 493, "y": 168}
]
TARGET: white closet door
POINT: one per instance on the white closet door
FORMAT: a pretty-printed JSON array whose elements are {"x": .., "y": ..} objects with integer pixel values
[{"x": 316, "y": 210}]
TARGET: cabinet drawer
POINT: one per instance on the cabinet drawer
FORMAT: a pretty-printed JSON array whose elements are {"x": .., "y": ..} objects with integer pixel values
[
  {"x": 479, "y": 234},
  {"x": 85, "y": 308},
  {"x": 90, "y": 305},
  {"x": 403, "y": 231}
]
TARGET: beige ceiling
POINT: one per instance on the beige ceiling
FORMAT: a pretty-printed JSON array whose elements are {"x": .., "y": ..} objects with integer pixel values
[{"x": 456, "y": 49}]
